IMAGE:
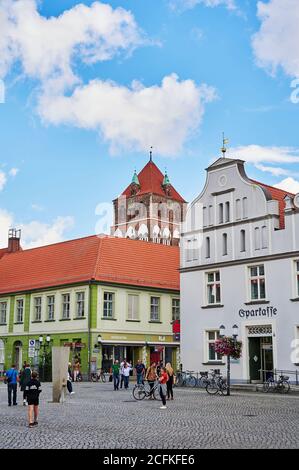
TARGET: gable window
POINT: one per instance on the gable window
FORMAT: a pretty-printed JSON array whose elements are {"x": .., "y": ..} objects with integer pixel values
[
  {"x": 211, "y": 218},
  {"x": 244, "y": 207},
  {"x": 66, "y": 300},
  {"x": 264, "y": 236},
  {"x": 37, "y": 308},
  {"x": 108, "y": 311},
  {"x": 212, "y": 337},
  {"x": 220, "y": 213},
  {"x": 3, "y": 313},
  {"x": 175, "y": 309},
  {"x": 50, "y": 307},
  {"x": 238, "y": 209},
  {"x": 213, "y": 288},
  {"x": 242, "y": 241},
  {"x": 297, "y": 277},
  {"x": 224, "y": 244},
  {"x": 257, "y": 282},
  {"x": 20, "y": 310},
  {"x": 155, "y": 309},
  {"x": 189, "y": 251},
  {"x": 227, "y": 212},
  {"x": 257, "y": 238},
  {"x": 80, "y": 302},
  {"x": 204, "y": 217},
  {"x": 208, "y": 247},
  {"x": 133, "y": 304}
]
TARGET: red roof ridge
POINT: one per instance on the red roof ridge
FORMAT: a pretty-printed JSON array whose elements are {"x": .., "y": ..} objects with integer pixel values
[{"x": 272, "y": 187}]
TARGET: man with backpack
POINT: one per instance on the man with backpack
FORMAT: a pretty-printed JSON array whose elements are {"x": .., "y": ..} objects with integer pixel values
[{"x": 12, "y": 378}]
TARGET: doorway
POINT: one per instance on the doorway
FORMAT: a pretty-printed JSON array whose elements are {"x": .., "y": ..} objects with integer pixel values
[
  {"x": 260, "y": 358},
  {"x": 17, "y": 354}
]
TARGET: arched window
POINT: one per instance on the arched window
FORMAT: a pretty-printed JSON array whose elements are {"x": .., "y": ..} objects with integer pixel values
[
  {"x": 242, "y": 241},
  {"x": 204, "y": 217},
  {"x": 227, "y": 212},
  {"x": 220, "y": 215},
  {"x": 238, "y": 209},
  {"x": 244, "y": 207},
  {"x": 211, "y": 218},
  {"x": 208, "y": 247},
  {"x": 264, "y": 237},
  {"x": 224, "y": 244},
  {"x": 257, "y": 245}
]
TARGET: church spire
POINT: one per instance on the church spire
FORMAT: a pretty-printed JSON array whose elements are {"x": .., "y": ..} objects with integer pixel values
[
  {"x": 151, "y": 154},
  {"x": 135, "y": 179},
  {"x": 166, "y": 181}
]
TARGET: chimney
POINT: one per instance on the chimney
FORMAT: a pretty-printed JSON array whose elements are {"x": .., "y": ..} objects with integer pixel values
[{"x": 14, "y": 237}]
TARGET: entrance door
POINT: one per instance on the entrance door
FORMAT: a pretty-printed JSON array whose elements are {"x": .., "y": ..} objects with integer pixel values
[
  {"x": 18, "y": 354},
  {"x": 267, "y": 358},
  {"x": 255, "y": 361}
]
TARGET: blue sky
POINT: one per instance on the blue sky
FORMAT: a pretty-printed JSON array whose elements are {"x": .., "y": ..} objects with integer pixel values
[{"x": 74, "y": 127}]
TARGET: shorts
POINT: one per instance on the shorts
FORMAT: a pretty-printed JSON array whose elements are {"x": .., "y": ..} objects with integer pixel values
[{"x": 33, "y": 401}]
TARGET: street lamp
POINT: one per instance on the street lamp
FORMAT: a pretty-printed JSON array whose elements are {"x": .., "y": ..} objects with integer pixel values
[
  {"x": 44, "y": 345},
  {"x": 235, "y": 335}
]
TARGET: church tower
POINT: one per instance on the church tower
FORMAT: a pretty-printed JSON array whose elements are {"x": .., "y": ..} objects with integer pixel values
[{"x": 150, "y": 208}]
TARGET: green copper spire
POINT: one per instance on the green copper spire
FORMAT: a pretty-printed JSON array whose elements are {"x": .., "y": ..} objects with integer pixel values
[
  {"x": 166, "y": 181},
  {"x": 135, "y": 179}
]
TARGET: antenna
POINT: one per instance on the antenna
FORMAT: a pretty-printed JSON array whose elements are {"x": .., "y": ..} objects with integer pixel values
[{"x": 151, "y": 154}]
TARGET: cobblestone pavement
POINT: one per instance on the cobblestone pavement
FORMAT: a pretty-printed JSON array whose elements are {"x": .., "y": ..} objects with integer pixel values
[{"x": 97, "y": 417}]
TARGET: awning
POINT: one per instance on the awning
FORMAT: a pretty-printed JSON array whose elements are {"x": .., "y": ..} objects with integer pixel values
[{"x": 114, "y": 342}]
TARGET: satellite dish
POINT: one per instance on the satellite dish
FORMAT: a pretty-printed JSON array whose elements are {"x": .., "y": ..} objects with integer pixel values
[{"x": 296, "y": 201}]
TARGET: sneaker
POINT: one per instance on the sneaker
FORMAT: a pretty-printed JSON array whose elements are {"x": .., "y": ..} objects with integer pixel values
[
  {"x": 24, "y": 403},
  {"x": 15, "y": 404},
  {"x": 163, "y": 407},
  {"x": 31, "y": 425},
  {"x": 35, "y": 423},
  {"x": 72, "y": 393}
]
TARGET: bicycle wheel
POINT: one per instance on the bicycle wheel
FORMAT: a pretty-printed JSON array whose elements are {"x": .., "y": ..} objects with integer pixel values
[
  {"x": 156, "y": 394},
  {"x": 191, "y": 381},
  {"x": 139, "y": 392},
  {"x": 103, "y": 378},
  {"x": 223, "y": 388},
  {"x": 284, "y": 387},
  {"x": 180, "y": 380},
  {"x": 266, "y": 387},
  {"x": 212, "y": 388},
  {"x": 93, "y": 378}
]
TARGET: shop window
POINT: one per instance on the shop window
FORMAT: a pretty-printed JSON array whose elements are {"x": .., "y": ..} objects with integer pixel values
[
  {"x": 213, "y": 288},
  {"x": 257, "y": 282}
]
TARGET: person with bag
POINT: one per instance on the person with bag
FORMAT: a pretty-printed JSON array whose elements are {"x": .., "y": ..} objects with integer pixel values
[
  {"x": 32, "y": 394},
  {"x": 12, "y": 378},
  {"x": 163, "y": 388},
  {"x": 126, "y": 374},
  {"x": 151, "y": 376},
  {"x": 25, "y": 376},
  {"x": 169, "y": 383}
]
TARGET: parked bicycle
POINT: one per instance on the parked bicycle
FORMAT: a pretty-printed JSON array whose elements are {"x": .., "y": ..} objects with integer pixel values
[
  {"x": 203, "y": 380},
  {"x": 216, "y": 384},
  {"x": 140, "y": 391},
  {"x": 281, "y": 385},
  {"x": 98, "y": 376},
  {"x": 186, "y": 379}
]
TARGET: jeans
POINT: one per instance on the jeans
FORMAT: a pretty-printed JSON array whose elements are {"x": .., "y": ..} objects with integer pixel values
[
  {"x": 116, "y": 381},
  {"x": 139, "y": 379},
  {"x": 126, "y": 381},
  {"x": 169, "y": 387},
  {"x": 163, "y": 393},
  {"x": 69, "y": 386},
  {"x": 12, "y": 388}
]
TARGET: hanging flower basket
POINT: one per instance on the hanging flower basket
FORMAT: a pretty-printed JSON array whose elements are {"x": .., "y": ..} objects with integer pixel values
[{"x": 227, "y": 346}]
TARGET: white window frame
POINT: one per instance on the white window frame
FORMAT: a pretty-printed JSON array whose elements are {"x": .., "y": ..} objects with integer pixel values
[
  {"x": 258, "y": 279},
  {"x": 20, "y": 318},
  {"x": 66, "y": 310},
  {"x": 296, "y": 263},
  {"x": 212, "y": 341},
  {"x": 37, "y": 308},
  {"x": 156, "y": 317},
  {"x": 50, "y": 307},
  {"x": 175, "y": 309},
  {"x": 214, "y": 283},
  {"x": 134, "y": 313},
  {"x": 108, "y": 304},
  {"x": 3, "y": 312},
  {"x": 80, "y": 304}
]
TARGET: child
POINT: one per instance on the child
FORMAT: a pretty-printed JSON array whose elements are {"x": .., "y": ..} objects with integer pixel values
[
  {"x": 32, "y": 394},
  {"x": 163, "y": 387}
]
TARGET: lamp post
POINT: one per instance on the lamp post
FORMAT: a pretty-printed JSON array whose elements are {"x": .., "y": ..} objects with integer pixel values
[
  {"x": 222, "y": 335},
  {"x": 44, "y": 344}
]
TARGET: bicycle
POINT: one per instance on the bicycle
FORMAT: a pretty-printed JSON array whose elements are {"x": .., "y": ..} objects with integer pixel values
[
  {"x": 140, "y": 391},
  {"x": 186, "y": 379},
  {"x": 281, "y": 385},
  {"x": 98, "y": 376},
  {"x": 203, "y": 380},
  {"x": 216, "y": 384}
]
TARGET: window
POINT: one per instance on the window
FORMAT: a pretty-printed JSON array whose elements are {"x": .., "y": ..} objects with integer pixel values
[
  {"x": 264, "y": 236},
  {"x": 211, "y": 218},
  {"x": 227, "y": 212},
  {"x": 3, "y": 312},
  {"x": 175, "y": 309},
  {"x": 189, "y": 252},
  {"x": 238, "y": 209},
  {"x": 204, "y": 217},
  {"x": 37, "y": 308},
  {"x": 66, "y": 306},
  {"x": 244, "y": 208},
  {"x": 155, "y": 309},
  {"x": 133, "y": 304},
  {"x": 108, "y": 311},
  {"x": 213, "y": 288},
  {"x": 50, "y": 307},
  {"x": 257, "y": 282},
  {"x": 242, "y": 241},
  {"x": 257, "y": 238},
  {"x": 220, "y": 214},
  {"x": 297, "y": 277},
  {"x": 224, "y": 244},
  {"x": 212, "y": 336},
  {"x": 208, "y": 247},
  {"x": 80, "y": 298},
  {"x": 20, "y": 310}
]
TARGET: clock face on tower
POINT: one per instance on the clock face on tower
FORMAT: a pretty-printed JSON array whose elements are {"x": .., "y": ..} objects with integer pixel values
[{"x": 222, "y": 180}]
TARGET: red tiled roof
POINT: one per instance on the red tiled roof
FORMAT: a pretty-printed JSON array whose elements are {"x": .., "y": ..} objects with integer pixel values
[
  {"x": 278, "y": 195},
  {"x": 104, "y": 258},
  {"x": 3, "y": 251},
  {"x": 151, "y": 179}
]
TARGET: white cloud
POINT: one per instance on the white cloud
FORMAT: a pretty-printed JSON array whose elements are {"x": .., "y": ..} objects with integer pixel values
[
  {"x": 276, "y": 43},
  {"x": 136, "y": 117},
  {"x": 258, "y": 153},
  {"x": 275, "y": 171},
  {"x": 47, "y": 48},
  {"x": 288, "y": 184},
  {"x": 182, "y": 5},
  {"x": 3, "y": 180},
  {"x": 13, "y": 172},
  {"x": 34, "y": 233}
]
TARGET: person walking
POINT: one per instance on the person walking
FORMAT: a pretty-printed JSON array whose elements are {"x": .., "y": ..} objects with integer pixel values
[
  {"x": 126, "y": 374},
  {"x": 169, "y": 383},
  {"x": 163, "y": 387},
  {"x": 25, "y": 376},
  {"x": 151, "y": 376},
  {"x": 12, "y": 378},
  {"x": 115, "y": 373},
  {"x": 122, "y": 372},
  {"x": 76, "y": 369},
  {"x": 140, "y": 371},
  {"x": 159, "y": 367},
  {"x": 32, "y": 394},
  {"x": 69, "y": 384}
]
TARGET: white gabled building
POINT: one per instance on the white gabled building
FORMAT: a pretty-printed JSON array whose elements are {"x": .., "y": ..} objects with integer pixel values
[{"x": 240, "y": 265}]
